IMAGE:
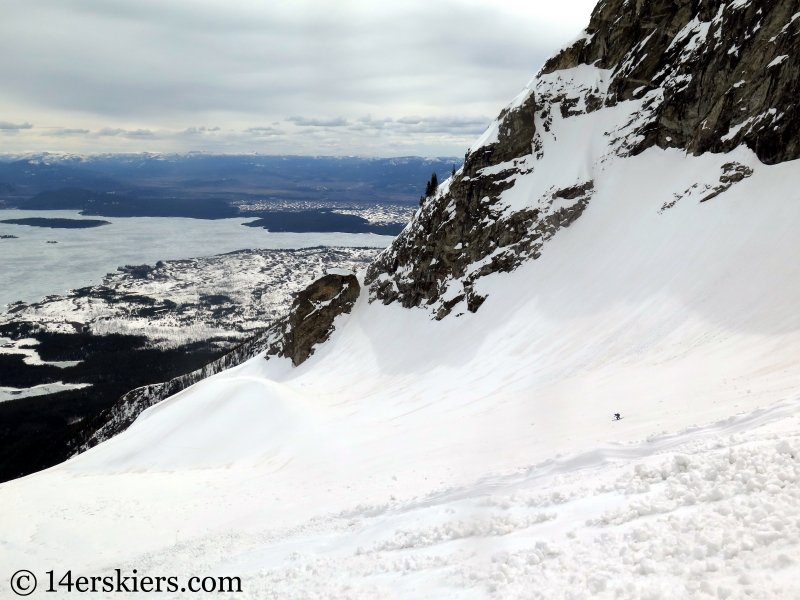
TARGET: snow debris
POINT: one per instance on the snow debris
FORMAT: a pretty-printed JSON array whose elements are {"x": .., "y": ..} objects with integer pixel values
[{"x": 717, "y": 515}]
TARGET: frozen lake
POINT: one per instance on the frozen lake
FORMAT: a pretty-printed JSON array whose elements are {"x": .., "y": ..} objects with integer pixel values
[{"x": 30, "y": 268}]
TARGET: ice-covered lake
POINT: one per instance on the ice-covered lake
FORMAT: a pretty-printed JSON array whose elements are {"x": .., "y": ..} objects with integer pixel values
[{"x": 31, "y": 268}]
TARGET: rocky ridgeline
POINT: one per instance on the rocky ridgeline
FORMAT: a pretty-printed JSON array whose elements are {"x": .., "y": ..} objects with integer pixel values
[
  {"x": 700, "y": 76},
  {"x": 465, "y": 233},
  {"x": 714, "y": 74},
  {"x": 310, "y": 322}
]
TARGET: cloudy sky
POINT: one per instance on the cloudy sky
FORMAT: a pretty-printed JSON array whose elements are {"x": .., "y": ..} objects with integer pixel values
[{"x": 320, "y": 77}]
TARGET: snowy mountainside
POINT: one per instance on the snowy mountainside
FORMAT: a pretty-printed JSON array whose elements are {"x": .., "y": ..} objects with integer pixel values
[
  {"x": 569, "y": 271},
  {"x": 711, "y": 75},
  {"x": 146, "y": 332},
  {"x": 699, "y": 76}
]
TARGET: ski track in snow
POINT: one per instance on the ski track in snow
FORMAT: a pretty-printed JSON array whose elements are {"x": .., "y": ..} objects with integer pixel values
[{"x": 708, "y": 512}]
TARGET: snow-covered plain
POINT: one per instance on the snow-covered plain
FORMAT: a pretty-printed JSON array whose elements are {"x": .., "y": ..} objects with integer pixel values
[
  {"x": 12, "y": 393},
  {"x": 476, "y": 456},
  {"x": 226, "y": 296},
  {"x": 27, "y": 348},
  {"x": 30, "y": 268}
]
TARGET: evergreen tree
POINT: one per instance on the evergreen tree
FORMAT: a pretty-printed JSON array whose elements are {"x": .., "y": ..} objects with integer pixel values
[{"x": 430, "y": 188}]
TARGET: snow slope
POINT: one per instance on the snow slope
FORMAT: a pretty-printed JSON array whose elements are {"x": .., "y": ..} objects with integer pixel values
[
  {"x": 475, "y": 456},
  {"x": 403, "y": 436}
]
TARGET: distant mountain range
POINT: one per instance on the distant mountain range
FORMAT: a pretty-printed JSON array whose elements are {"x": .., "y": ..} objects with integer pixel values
[
  {"x": 235, "y": 179},
  {"x": 109, "y": 204}
]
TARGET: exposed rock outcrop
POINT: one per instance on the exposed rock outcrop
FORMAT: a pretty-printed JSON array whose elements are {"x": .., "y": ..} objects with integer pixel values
[
  {"x": 463, "y": 234},
  {"x": 717, "y": 73},
  {"x": 466, "y": 231},
  {"x": 310, "y": 321},
  {"x": 732, "y": 173},
  {"x": 699, "y": 75}
]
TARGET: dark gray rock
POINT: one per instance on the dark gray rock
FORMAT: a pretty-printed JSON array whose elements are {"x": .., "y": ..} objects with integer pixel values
[
  {"x": 454, "y": 230},
  {"x": 310, "y": 320},
  {"x": 732, "y": 173},
  {"x": 465, "y": 233},
  {"x": 722, "y": 73}
]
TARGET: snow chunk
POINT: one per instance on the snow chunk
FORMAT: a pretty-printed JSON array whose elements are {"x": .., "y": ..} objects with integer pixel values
[{"x": 778, "y": 60}]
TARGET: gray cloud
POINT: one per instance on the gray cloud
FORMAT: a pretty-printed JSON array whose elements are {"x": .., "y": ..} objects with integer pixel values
[
  {"x": 368, "y": 122},
  {"x": 264, "y": 131},
  {"x": 138, "y": 133},
  {"x": 61, "y": 131},
  {"x": 6, "y": 126},
  {"x": 305, "y": 122},
  {"x": 133, "y": 134},
  {"x": 108, "y": 131},
  {"x": 143, "y": 73},
  {"x": 463, "y": 124},
  {"x": 199, "y": 130}
]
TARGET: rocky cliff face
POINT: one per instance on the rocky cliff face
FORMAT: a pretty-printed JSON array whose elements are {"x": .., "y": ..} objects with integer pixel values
[
  {"x": 702, "y": 76},
  {"x": 310, "y": 321},
  {"x": 466, "y": 231},
  {"x": 716, "y": 74}
]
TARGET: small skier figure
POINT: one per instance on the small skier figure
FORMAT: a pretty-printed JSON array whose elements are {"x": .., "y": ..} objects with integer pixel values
[{"x": 617, "y": 416}]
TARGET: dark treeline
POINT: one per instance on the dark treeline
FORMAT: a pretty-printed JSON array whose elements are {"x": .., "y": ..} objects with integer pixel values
[{"x": 35, "y": 431}]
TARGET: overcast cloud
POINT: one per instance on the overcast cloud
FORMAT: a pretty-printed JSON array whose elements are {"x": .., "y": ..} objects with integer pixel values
[{"x": 368, "y": 78}]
